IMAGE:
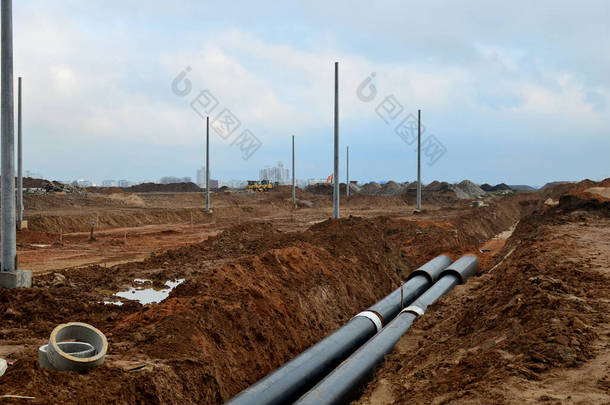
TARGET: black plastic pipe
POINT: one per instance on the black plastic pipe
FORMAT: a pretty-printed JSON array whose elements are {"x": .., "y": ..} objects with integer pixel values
[
  {"x": 346, "y": 381},
  {"x": 289, "y": 382}
]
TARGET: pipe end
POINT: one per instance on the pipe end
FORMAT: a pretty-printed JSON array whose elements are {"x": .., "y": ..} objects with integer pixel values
[
  {"x": 432, "y": 269},
  {"x": 464, "y": 268}
]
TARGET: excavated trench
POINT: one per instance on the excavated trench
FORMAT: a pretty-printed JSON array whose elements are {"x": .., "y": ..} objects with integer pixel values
[
  {"x": 532, "y": 329},
  {"x": 269, "y": 296}
]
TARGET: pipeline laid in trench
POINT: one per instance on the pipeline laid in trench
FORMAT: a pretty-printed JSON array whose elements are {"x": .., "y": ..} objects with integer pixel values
[
  {"x": 293, "y": 379},
  {"x": 344, "y": 383}
]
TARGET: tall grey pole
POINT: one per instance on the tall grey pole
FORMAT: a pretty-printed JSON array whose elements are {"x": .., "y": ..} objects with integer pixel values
[
  {"x": 9, "y": 231},
  {"x": 336, "y": 171},
  {"x": 294, "y": 199},
  {"x": 207, "y": 164},
  {"x": 347, "y": 172},
  {"x": 19, "y": 159},
  {"x": 418, "y": 160}
]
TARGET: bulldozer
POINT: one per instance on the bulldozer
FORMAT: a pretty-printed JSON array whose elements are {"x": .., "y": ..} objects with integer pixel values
[
  {"x": 254, "y": 185},
  {"x": 260, "y": 186},
  {"x": 266, "y": 185}
]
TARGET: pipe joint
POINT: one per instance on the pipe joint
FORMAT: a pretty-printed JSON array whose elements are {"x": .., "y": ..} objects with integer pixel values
[
  {"x": 374, "y": 317},
  {"x": 414, "y": 309}
]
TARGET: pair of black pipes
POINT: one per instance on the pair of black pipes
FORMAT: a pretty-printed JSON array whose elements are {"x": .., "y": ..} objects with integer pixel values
[
  {"x": 344, "y": 383},
  {"x": 289, "y": 382}
]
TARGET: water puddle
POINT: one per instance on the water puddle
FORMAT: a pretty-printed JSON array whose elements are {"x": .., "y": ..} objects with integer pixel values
[{"x": 148, "y": 295}]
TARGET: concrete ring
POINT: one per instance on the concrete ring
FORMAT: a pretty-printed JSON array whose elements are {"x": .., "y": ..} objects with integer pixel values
[
  {"x": 80, "y": 332},
  {"x": 76, "y": 349}
]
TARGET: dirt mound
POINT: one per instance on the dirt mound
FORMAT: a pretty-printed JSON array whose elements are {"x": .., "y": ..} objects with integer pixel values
[
  {"x": 30, "y": 182},
  {"x": 603, "y": 192},
  {"x": 439, "y": 187},
  {"x": 498, "y": 187},
  {"x": 391, "y": 188},
  {"x": 573, "y": 188},
  {"x": 354, "y": 188},
  {"x": 164, "y": 188},
  {"x": 320, "y": 189},
  {"x": 469, "y": 189},
  {"x": 128, "y": 199},
  {"x": 554, "y": 184},
  {"x": 105, "y": 190},
  {"x": 521, "y": 187},
  {"x": 324, "y": 189},
  {"x": 371, "y": 188}
]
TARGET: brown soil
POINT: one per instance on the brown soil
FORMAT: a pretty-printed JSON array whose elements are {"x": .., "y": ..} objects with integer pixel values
[
  {"x": 260, "y": 288},
  {"x": 534, "y": 328}
]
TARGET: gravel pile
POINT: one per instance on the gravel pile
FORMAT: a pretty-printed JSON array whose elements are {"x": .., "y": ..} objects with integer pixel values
[
  {"x": 371, "y": 188},
  {"x": 467, "y": 189},
  {"x": 47, "y": 187},
  {"x": 354, "y": 188},
  {"x": 391, "y": 188}
]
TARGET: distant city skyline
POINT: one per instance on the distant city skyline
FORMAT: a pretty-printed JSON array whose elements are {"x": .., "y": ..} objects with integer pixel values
[{"x": 233, "y": 183}]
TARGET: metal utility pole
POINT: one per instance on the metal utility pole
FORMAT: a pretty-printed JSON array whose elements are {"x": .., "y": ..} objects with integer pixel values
[
  {"x": 19, "y": 160},
  {"x": 9, "y": 230},
  {"x": 293, "y": 178},
  {"x": 418, "y": 160},
  {"x": 207, "y": 164},
  {"x": 347, "y": 172},
  {"x": 336, "y": 158}
]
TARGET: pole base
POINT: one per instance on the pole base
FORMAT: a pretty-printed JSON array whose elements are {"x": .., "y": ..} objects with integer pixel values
[
  {"x": 416, "y": 211},
  {"x": 21, "y": 225},
  {"x": 16, "y": 279}
]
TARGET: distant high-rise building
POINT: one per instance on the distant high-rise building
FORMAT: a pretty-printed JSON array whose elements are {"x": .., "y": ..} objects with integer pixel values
[
  {"x": 33, "y": 175},
  {"x": 276, "y": 174},
  {"x": 201, "y": 177},
  {"x": 172, "y": 180},
  {"x": 109, "y": 183},
  {"x": 125, "y": 183}
]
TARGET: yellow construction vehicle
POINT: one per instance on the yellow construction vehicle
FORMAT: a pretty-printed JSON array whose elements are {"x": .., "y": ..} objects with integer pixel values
[
  {"x": 260, "y": 186},
  {"x": 266, "y": 185},
  {"x": 254, "y": 185}
]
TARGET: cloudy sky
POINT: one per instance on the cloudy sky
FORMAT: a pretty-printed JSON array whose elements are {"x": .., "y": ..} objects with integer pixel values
[{"x": 515, "y": 92}]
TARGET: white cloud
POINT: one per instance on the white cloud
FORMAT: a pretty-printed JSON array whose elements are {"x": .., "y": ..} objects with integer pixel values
[{"x": 83, "y": 80}]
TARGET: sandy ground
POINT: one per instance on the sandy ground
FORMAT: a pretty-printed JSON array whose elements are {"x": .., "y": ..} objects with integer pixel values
[{"x": 127, "y": 230}]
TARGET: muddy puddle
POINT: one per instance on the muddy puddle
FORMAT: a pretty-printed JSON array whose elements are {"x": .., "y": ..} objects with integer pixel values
[{"x": 146, "y": 295}]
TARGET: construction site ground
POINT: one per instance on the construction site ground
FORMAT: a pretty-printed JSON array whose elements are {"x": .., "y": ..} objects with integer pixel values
[{"x": 264, "y": 280}]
